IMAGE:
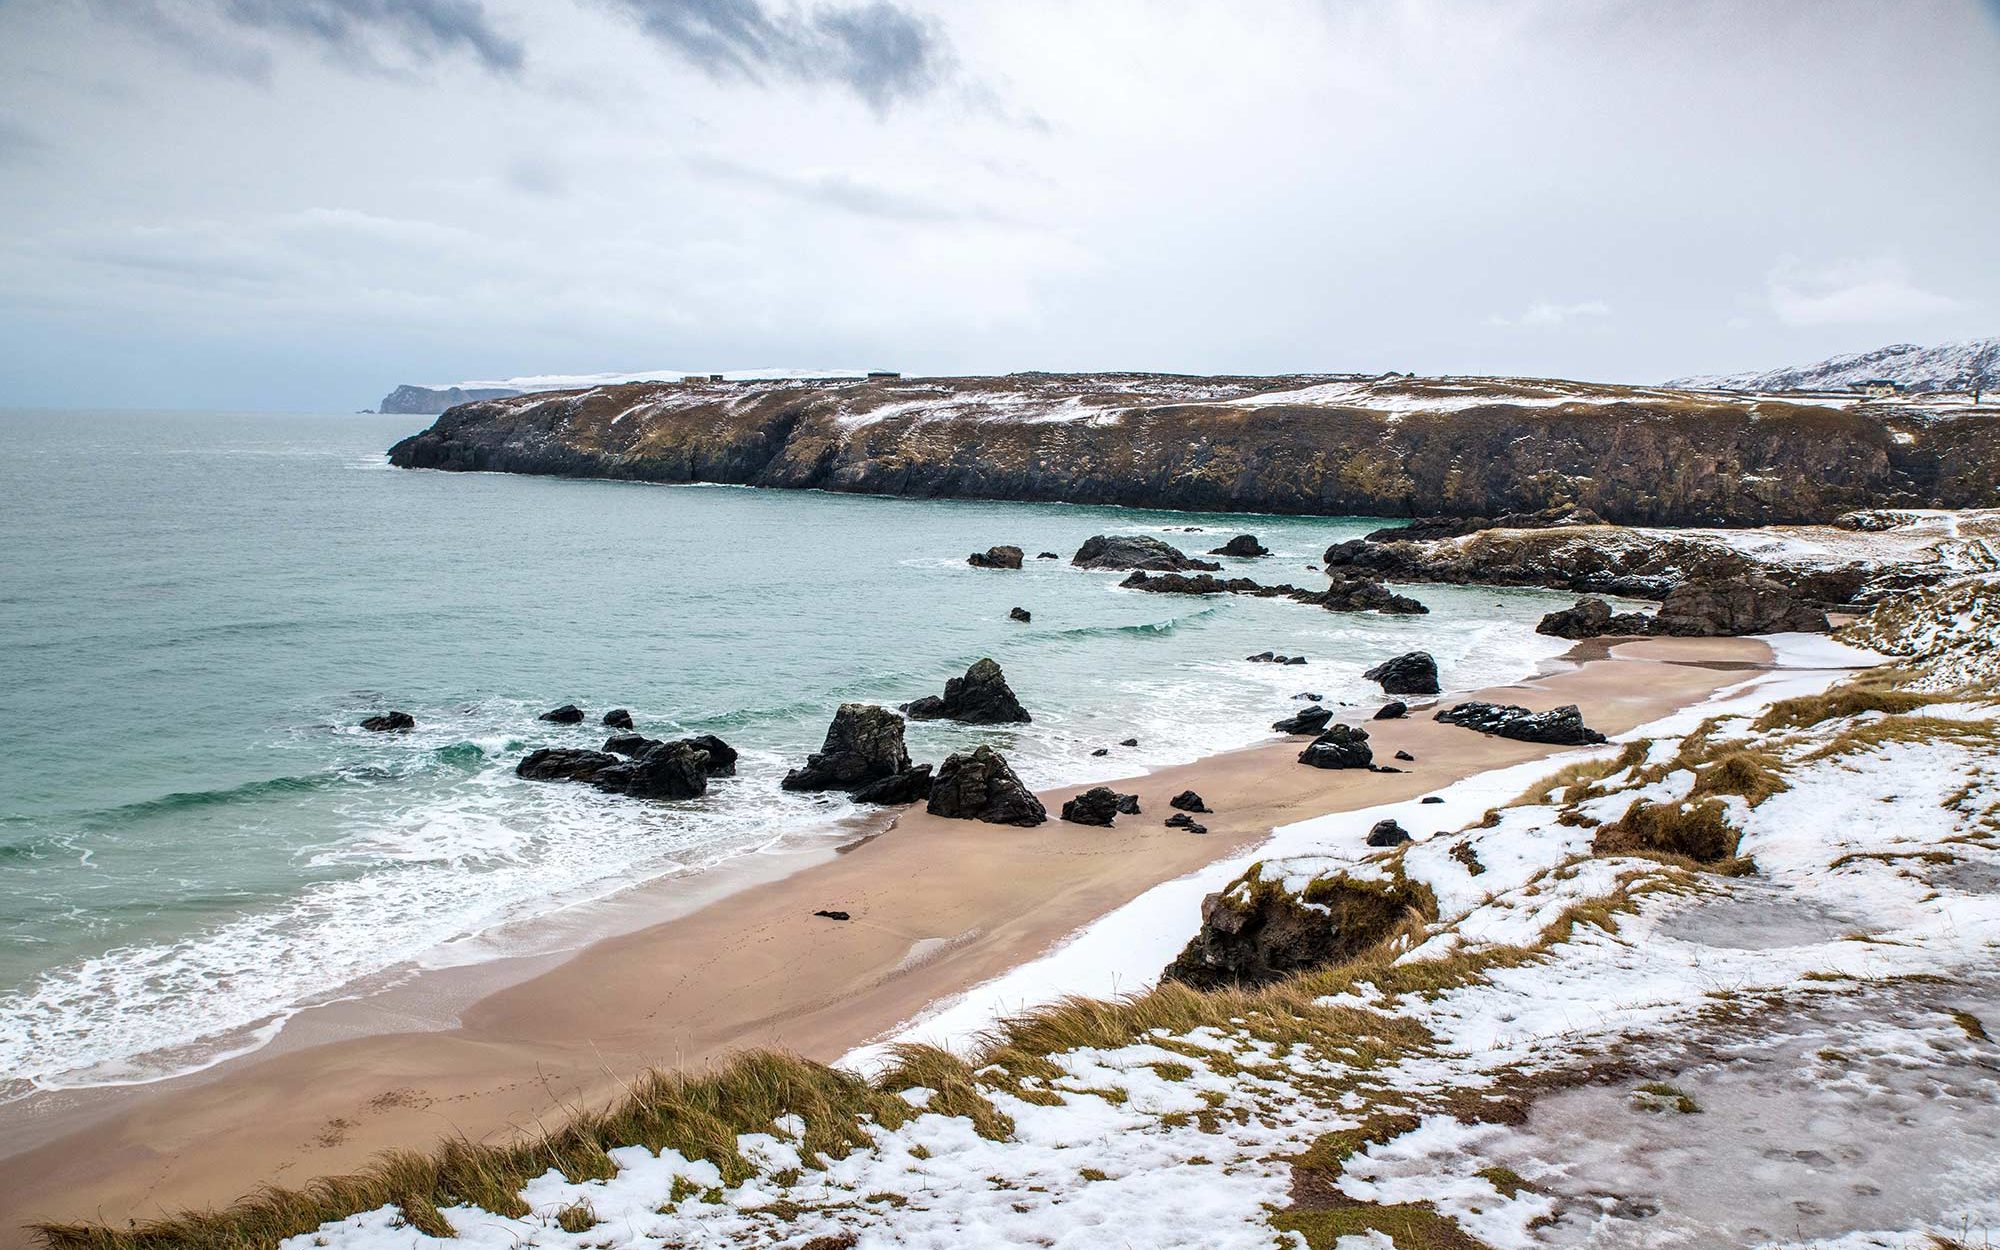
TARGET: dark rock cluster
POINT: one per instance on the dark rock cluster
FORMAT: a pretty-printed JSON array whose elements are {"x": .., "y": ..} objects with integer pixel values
[
  {"x": 1341, "y": 746},
  {"x": 863, "y": 748},
  {"x": 1136, "y": 551},
  {"x": 1413, "y": 672},
  {"x": 1243, "y": 547},
  {"x": 1344, "y": 593},
  {"x": 979, "y": 785},
  {"x": 995, "y": 558},
  {"x": 1099, "y": 805},
  {"x": 390, "y": 722},
  {"x": 1726, "y": 607},
  {"x": 1256, "y": 932},
  {"x": 1562, "y": 726},
  {"x": 981, "y": 697}
]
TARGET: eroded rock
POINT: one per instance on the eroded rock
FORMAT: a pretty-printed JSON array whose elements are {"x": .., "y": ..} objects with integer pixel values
[
  {"x": 981, "y": 697},
  {"x": 1413, "y": 672},
  {"x": 1562, "y": 726},
  {"x": 1243, "y": 547},
  {"x": 995, "y": 558},
  {"x": 1136, "y": 551},
  {"x": 864, "y": 744},
  {"x": 979, "y": 785},
  {"x": 1341, "y": 746},
  {"x": 390, "y": 722}
]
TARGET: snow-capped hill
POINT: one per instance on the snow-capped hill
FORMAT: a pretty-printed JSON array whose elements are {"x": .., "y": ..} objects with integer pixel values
[{"x": 1972, "y": 364}]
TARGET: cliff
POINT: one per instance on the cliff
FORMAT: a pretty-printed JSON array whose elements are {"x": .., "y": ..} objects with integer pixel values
[
  {"x": 1948, "y": 367},
  {"x": 429, "y": 401},
  {"x": 1391, "y": 446}
]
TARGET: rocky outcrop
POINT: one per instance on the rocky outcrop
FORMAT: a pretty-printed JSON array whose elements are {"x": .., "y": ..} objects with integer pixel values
[
  {"x": 1341, "y": 746},
  {"x": 617, "y": 718},
  {"x": 1243, "y": 547},
  {"x": 659, "y": 770},
  {"x": 567, "y": 714},
  {"x": 1387, "y": 833},
  {"x": 863, "y": 745},
  {"x": 563, "y": 764},
  {"x": 1593, "y": 618},
  {"x": 1256, "y": 932},
  {"x": 995, "y": 558},
  {"x": 1020, "y": 614},
  {"x": 1304, "y": 445},
  {"x": 1413, "y": 672},
  {"x": 1561, "y": 726},
  {"x": 978, "y": 785},
  {"x": 1309, "y": 720},
  {"x": 1736, "y": 605},
  {"x": 630, "y": 744},
  {"x": 1099, "y": 805},
  {"x": 912, "y": 785},
  {"x": 1394, "y": 709},
  {"x": 981, "y": 697},
  {"x": 1136, "y": 551},
  {"x": 1181, "y": 820},
  {"x": 1342, "y": 594},
  {"x": 1429, "y": 529},
  {"x": 1187, "y": 801},
  {"x": 390, "y": 722},
  {"x": 429, "y": 401}
]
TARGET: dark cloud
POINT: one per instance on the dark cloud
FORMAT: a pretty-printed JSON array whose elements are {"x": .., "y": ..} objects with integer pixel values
[
  {"x": 220, "y": 35},
  {"x": 879, "y": 51}
]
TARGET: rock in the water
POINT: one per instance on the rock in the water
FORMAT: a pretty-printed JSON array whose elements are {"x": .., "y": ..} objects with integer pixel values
[
  {"x": 1048, "y": 555},
  {"x": 617, "y": 718},
  {"x": 981, "y": 697},
  {"x": 1309, "y": 721},
  {"x": 1387, "y": 833},
  {"x": 1187, "y": 801},
  {"x": 563, "y": 764},
  {"x": 1098, "y": 806},
  {"x": 1561, "y": 726},
  {"x": 1020, "y": 614},
  {"x": 833, "y": 915},
  {"x": 995, "y": 558},
  {"x": 1308, "y": 696},
  {"x": 631, "y": 744},
  {"x": 1181, "y": 820},
  {"x": 978, "y": 785},
  {"x": 1136, "y": 551},
  {"x": 567, "y": 714},
  {"x": 1342, "y": 746},
  {"x": 1128, "y": 742},
  {"x": 1736, "y": 605},
  {"x": 721, "y": 756},
  {"x": 1593, "y": 618},
  {"x": 1256, "y": 932},
  {"x": 1102, "y": 751},
  {"x": 912, "y": 785},
  {"x": 1394, "y": 709},
  {"x": 1413, "y": 672},
  {"x": 864, "y": 744},
  {"x": 1242, "y": 546},
  {"x": 672, "y": 770},
  {"x": 390, "y": 722}
]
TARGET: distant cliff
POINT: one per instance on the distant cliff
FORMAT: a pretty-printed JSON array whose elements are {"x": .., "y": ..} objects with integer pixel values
[
  {"x": 1974, "y": 364},
  {"x": 1392, "y": 446},
  {"x": 429, "y": 401}
]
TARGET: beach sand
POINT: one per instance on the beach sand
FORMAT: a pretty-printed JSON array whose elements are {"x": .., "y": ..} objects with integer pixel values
[{"x": 938, "y": 906}]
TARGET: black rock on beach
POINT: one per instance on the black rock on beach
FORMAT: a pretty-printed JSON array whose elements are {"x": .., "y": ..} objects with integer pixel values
[
  {"x": 979, "y": 785},
  {"x": 1413, "y": 672},
  {"x": 863, "y": 745},
  {"x": 1561, "y": 726}
]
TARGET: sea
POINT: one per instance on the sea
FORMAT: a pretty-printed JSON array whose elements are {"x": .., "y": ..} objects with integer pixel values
[{"x": 198, "y": 843}]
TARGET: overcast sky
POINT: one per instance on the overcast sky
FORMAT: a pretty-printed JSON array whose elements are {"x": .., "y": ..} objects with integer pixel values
[{"x": 300, "y": 203}]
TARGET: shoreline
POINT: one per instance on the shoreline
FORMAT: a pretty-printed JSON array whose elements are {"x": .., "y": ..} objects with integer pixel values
[{"x": 940, "y": 908}]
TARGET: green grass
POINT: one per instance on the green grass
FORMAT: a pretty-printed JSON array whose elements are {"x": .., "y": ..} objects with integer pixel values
[{"x": 1660, "y": 1096}]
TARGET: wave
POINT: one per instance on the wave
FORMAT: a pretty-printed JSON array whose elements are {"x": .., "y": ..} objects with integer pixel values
[{"x": 1145, "y": 629}]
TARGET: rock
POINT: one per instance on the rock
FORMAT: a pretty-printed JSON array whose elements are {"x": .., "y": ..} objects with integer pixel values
[
  {"x": 981, "y": 697},
  {"x": 1187, "y": 801},
  {"x": 1128, "y": 742},
  {"x": 1136, "y": 551},
  {"x": 1098, "y": 806},
  {"x": 1429, "y": 529},
  {"x": 1128, "y": 804},
  {"x": 1383, "y": 768},
  {"x": 1048, "y": 555},
  {"x": 1262, "y": 657},
  {"x": 995, "y": 558},
  {"x": 390, "y": 722},
  {"x": 1243, "y": 546},
  {"x": 1593, "y": 618},
  {"x": 1102, "y": 751},
  {"x": 1387, "y": 833},
  {"x": 1309, "y": 696},
  {"x": 978, "y": 785},
  {"x": 1310, "y": 720},
  {"x": 1430, "y": 798},
  {"x": 563, "y": 764},
  {"x": 617, "y": 718},
  {"x": 1339, "y": 747},
  {"x": 864, "y": 744},
  {"x": 1184, "y": 821},
  {"x": 1345, "y": 593},
  {"x": 1394, "y": 709},
  {"x": 631, "y": 744},
  {"x": 672, "y": 770},
  {"x": 1561, "y": 726},
  {"x": 1406, "y": 757},
  {"x": 1293, "y": 659},
  {"x": 1255, "y": 932},
  {"x": 567, "y": 714},
  {"x": 1350, "y": 592},
  {"x": 1748, "y": 604},
  {"x": 1413, "y": 672},
  {"x": 912, "y": 785},
  {"x": 1020, "y": 614},
  {"x": 721, "y": 756},
  {"x": 834, "y": 915}
]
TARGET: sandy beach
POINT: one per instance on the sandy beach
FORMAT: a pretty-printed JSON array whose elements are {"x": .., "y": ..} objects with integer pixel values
[{"x": 938, "y": 906}]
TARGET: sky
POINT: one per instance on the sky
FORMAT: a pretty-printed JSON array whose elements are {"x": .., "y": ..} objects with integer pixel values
[{"x": 299, "y": 204}]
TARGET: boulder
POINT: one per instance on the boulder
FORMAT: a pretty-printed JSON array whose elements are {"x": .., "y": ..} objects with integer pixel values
[
  {"x": 672, "y": 770},
  {"x": 1394, "y": 709},
  {"x": 1020, "y": 614},
  {"x": 978, "y": 785},
  {"x": 1310, "y": 720},
  {"x": 1128, "y": 742},
  {"x": 1747, "y": 604},
  {"x": 864, "y": 744},
  {"x": 1387, "y": 833},
  {"x": 1256, "y": 932},
  {"x": 1406, "y": 757},
  {"x": 981, "y": 697},
  {"x": 1308, "y": 696},
  {"x": 1048, "y": 555},
  {"x": 1342, "y": 746},
  {"x": 1187, "y": 801},
  {"x": 1430, "y": 798},
  {"x": 631, "y": 744},
  {"x": 1348, "y": 592},
  {"x": 1095, "y": 806},
  {"x": 1561, "y": 726},
  {"x": 1128, "y": 804},
  {"x": 1136, "y": 551},
  {"x": 1593, "y": 618},
  {"x": 1243, "y": 546},
  {"x": 390, "y": 722},
  {"x": 912, "y": 785},
  {"x": 833, "y": 915},
  {"x": 1181, "y": 820},
  {"x": 564, "y": 764},
  {"x": 1413, "y": 672},
  {"x": 567, "y": 714},
  {"x": 995, "y": 558},
  {"x": 721, "y": 756},
  {"x": 617, "y": 718}
]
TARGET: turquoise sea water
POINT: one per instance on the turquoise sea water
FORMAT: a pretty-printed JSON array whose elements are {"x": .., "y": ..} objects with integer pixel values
[{"x": 196, "y": 609}]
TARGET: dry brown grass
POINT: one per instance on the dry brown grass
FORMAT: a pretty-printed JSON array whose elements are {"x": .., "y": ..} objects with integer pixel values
[{"x": 1699, "y": 831}]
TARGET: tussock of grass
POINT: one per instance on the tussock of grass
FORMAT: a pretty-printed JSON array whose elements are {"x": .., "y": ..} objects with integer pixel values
[
  {"x": 1699, "y": 831},
  {"x": 1660, "y": 1096},
  {"x": 577, "y": 1217},
  {"x": 1584, "y": 774},
  {"x": 957, "y": 1092},
  {"x": 1973, "y": 1026},
  {"x": 1750, "y": 775},
  {"x": 1840, "y": 703},
  {"x": 1506, "y": 1180}
]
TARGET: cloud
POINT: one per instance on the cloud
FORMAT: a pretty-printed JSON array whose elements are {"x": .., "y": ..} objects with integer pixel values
[
  {"x": 1850, "y": 293},
  {"x": 16, "y": 143},
  {"x": 1545, "y": 315},
  {"x": 844, "y": 191},
  {"x": 880, "y": 51},
  {"x": 364, "y": 34}
]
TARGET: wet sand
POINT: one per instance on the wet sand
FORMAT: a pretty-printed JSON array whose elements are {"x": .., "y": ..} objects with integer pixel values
[{"x": 938, "y": 906}]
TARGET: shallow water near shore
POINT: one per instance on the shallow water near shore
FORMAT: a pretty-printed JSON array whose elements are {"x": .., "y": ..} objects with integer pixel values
[{"x": 196, "y": 841}]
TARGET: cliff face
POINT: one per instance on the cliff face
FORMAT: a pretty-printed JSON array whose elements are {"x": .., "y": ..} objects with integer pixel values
[
  {"x": 1331, "y": 446},
  {"x": 429, "y": 401}
]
